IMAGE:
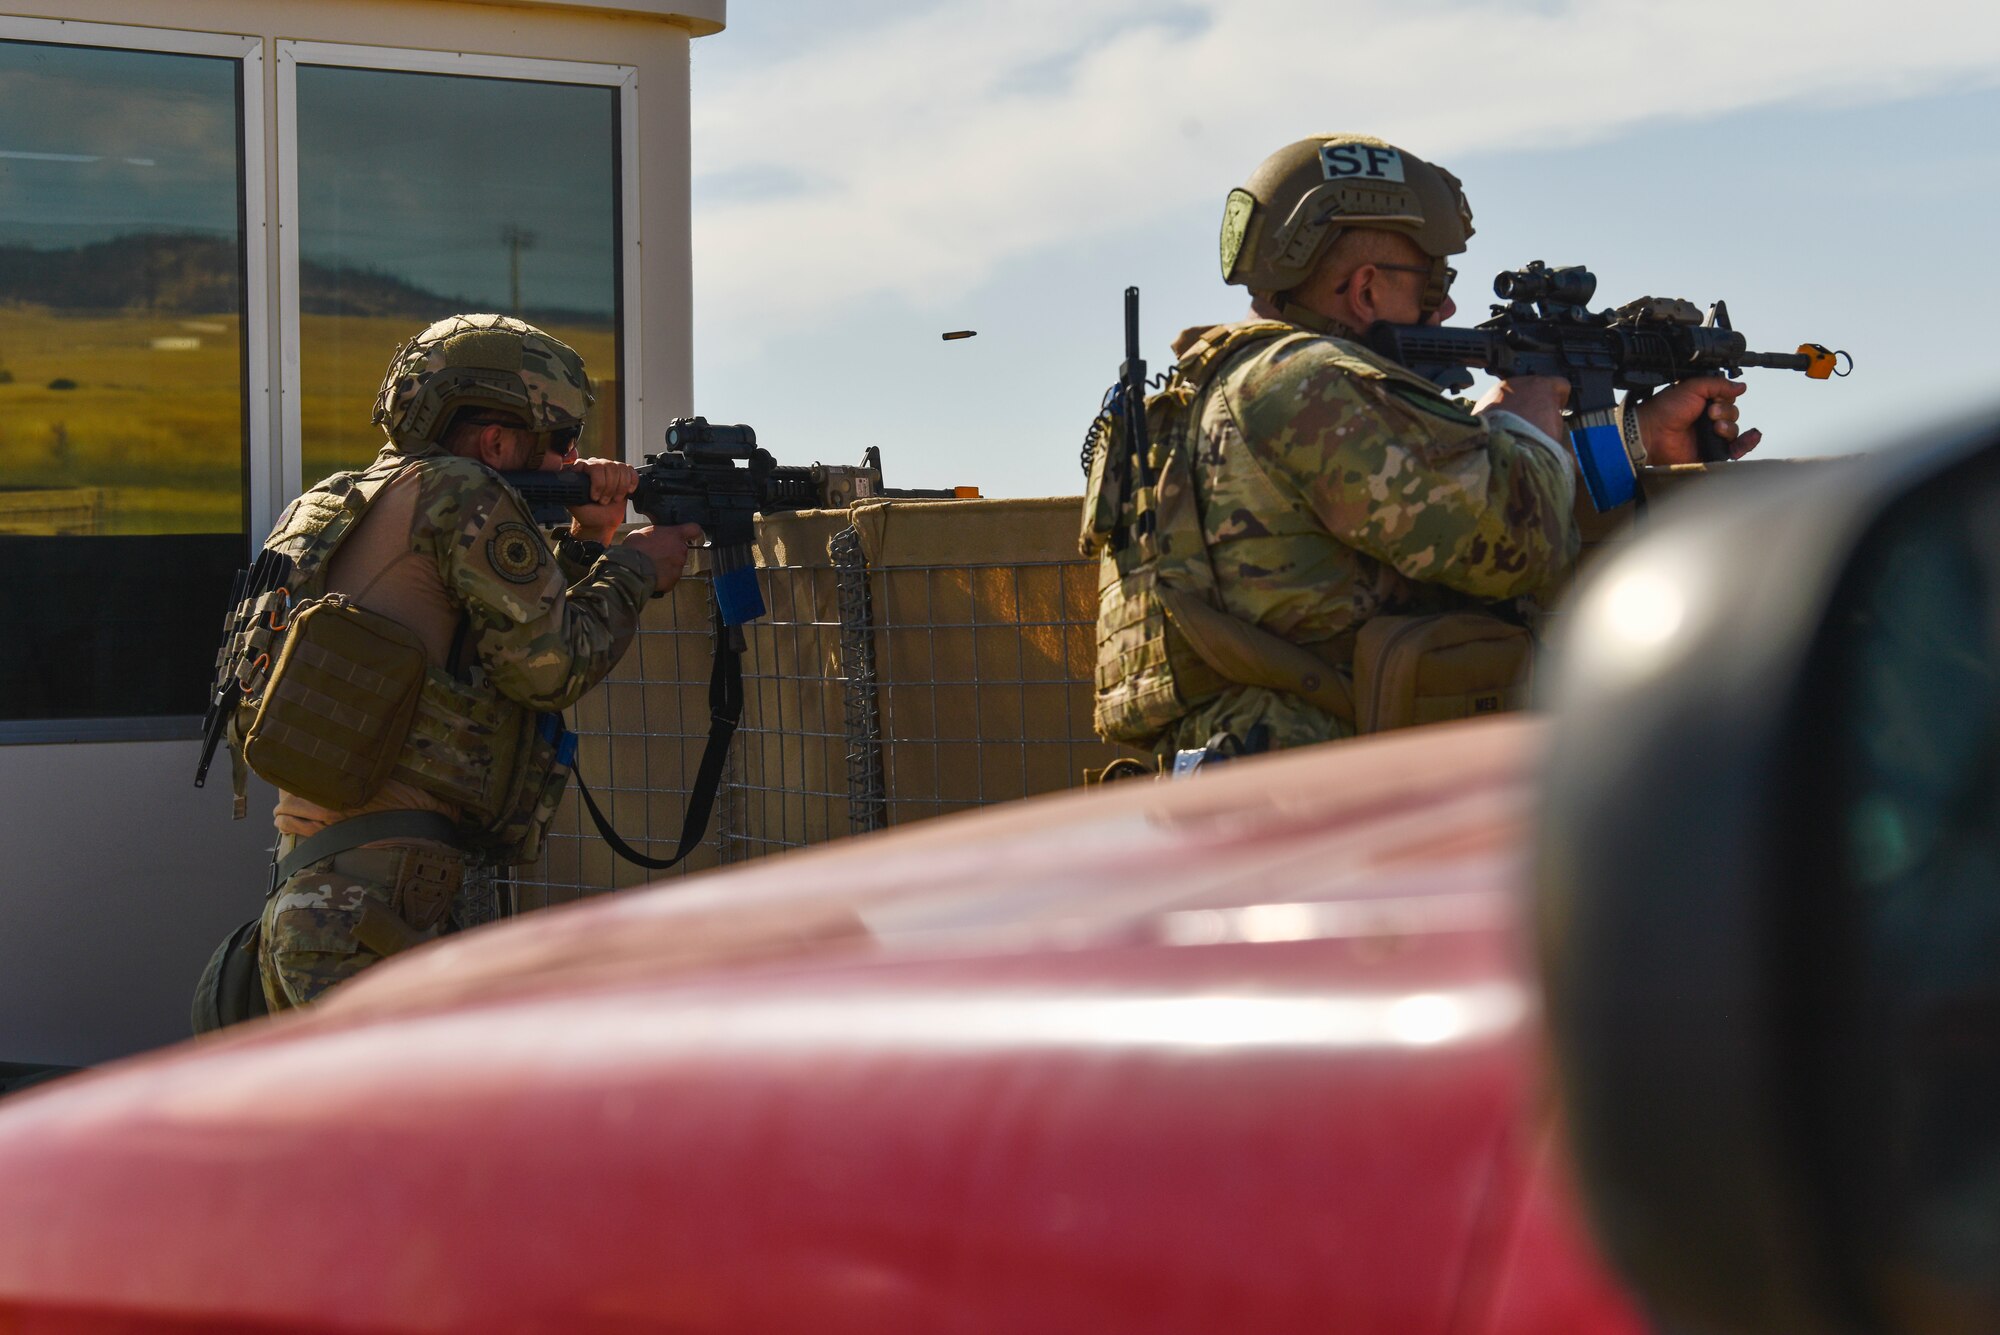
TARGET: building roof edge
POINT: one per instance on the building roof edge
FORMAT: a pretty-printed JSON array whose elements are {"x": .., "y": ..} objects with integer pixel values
[{"x": 701, "y": 18}]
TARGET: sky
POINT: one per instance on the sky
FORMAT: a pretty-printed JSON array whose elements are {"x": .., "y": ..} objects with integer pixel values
[{"x": 870, "y": 174}]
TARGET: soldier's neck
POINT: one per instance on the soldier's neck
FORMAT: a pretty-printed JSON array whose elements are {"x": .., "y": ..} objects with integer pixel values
[{"x": 1291, "y": 312}]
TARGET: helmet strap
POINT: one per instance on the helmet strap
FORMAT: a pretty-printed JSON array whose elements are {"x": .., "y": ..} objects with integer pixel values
[{"x": 1436, "y": 288}]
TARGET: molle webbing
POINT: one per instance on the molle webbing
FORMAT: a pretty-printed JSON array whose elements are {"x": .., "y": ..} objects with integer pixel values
[
  {"x": 332, "y": 721},
  {"x": 1203, "y": 357},
  {"x": 241, "y": 661},
  {"x": 1166, "y": 642},
  {"x": 460, "y": 740}
]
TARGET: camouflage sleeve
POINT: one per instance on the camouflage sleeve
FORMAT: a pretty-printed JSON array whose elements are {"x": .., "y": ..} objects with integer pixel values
[
  {"x": 543, "y": 640},
  {"x": 1411, "y": 478}
]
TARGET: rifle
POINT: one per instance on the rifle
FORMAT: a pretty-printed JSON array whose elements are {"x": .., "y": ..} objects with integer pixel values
[
  {"x": 1543, "y": 327},
  {"x": 720, "y": 478},
  {"x": 268, "y": 573},
  {"x": 699, "y": 481},
  {"x": 1117, "y": 459},
  {"x": 1132, "y": 403}
]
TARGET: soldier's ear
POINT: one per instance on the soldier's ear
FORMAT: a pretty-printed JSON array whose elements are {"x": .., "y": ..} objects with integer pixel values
[
  {"x": 496, "y": 448},
  {"x": 1363, "y": 293}
]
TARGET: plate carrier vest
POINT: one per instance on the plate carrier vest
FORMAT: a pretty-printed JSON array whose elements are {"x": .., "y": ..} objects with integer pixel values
[{"x": 328, "y": 700}]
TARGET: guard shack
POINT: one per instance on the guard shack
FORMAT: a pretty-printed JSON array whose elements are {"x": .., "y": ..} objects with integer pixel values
[{"x": 212, "y": 235}]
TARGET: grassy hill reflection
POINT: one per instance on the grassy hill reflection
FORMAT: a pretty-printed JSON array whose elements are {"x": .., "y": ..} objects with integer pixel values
[{"x": 121, "y": 369}]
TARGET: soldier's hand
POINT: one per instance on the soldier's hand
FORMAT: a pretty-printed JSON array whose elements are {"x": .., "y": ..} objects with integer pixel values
[
  {"x": 669, "y": 549},
  {"x": 610, "y": 483},
  {"x": 1537, "y": 398},
  {"x": 1666, "y": 421}
]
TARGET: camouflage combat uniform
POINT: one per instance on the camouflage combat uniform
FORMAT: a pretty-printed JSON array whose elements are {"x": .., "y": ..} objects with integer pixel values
[
  {"x": 1335, "y": 486},
  {"x": 542, "y": 636}
]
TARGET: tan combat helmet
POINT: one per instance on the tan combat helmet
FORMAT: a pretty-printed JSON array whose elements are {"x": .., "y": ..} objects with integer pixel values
[
  {"x": 1278, "y": 224},
  {"x": 481, "y": 361}
]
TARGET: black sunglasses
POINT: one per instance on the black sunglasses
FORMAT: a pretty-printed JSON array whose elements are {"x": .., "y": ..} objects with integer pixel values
[
  {"x": 1450, "y": 274},
  {"x": 559, "y": 441}
]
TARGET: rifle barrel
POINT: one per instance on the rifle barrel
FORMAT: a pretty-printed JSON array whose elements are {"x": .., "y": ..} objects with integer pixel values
[{"x": 1775, "y": 361}]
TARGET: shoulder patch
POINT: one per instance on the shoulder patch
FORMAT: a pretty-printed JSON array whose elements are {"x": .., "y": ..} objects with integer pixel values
[{"x": 516, "y": 552}]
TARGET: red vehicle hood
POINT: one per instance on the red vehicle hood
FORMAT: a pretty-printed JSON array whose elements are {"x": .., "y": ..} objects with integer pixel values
[{"x": 1254, "y": 1052}]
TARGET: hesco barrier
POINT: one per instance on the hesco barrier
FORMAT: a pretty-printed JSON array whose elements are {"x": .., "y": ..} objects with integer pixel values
[{"x": 917, "y": 657}]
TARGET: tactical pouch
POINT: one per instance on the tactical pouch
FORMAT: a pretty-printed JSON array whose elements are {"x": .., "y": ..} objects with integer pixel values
[
  {"x": 427, "y": 881},
  {"x": 462, "y": 745},
  {"x": 544, "y": 755},
  {"x": 1248, "y": 655},
  {"x": 337, "y": 708},
  {"x": 503, "y": 766},
  {"x": 1147, "y": 676},
  {"x": 1446, "y": 665},
  {"x": 231, "y": 987}
]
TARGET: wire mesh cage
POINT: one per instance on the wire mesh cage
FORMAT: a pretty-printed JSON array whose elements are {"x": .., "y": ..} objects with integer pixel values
[{"x": 891, "y": 680}]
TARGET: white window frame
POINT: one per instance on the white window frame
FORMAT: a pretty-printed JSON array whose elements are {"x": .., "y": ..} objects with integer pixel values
[
  {"x": 625, "y": 78},
  {"x": 248, "y": 51}
]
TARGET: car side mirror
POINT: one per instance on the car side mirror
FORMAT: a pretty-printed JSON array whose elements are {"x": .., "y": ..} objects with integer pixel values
[{"x": 1769, "y": 900}]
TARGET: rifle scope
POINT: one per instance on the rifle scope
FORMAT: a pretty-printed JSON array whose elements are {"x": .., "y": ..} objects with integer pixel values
[
  {"x": 1571, "y": 285},
  {"x": 699, "y": 434}
]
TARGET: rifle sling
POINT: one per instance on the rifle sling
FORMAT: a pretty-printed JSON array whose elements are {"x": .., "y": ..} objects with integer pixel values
[{"x": 725, "y": 708}]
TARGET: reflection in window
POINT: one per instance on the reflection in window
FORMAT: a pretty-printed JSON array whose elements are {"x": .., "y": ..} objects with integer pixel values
[
  {"x": 120, "y": 299},
  {"x": 121, "y": 376},
  {"x": 424, "y": 195}
]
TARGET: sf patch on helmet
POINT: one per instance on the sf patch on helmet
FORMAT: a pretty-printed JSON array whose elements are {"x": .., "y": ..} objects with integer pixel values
[
  {"x": 1279, "y": 224},
  {"x": 515, "y": 552}
]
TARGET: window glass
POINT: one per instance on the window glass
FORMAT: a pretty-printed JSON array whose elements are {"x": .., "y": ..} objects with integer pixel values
[
  {"x": 426, "y": 195},
  {"x": 122, "y": 446}
]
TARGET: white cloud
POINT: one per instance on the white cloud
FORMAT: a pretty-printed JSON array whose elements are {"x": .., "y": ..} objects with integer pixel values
[{"x": 919, "y": 154}]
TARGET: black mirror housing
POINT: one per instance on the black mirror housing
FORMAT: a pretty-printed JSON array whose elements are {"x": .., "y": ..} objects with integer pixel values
[{"x": 1780, "y": 1109}]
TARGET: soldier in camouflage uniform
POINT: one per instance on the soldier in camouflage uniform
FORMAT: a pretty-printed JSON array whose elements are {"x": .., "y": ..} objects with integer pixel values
[
  {"x": 1332, "y": 485},
  {"x": 448, "y": 550}
]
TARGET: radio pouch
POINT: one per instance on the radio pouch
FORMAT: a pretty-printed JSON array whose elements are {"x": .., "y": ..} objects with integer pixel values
[
  {"x": 1446, "y": 665},
  {"x": 337, "y": 710}
]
